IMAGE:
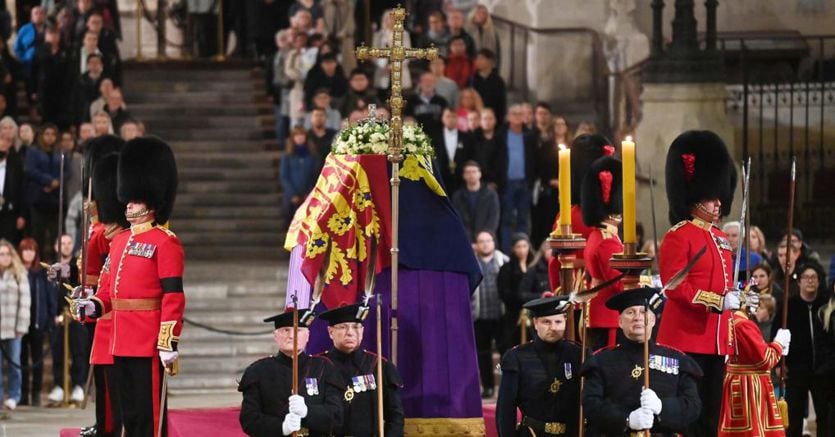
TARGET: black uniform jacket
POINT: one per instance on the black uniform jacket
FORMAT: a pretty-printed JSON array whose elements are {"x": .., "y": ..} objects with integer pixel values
[
  {"x": 543, "y": 380},
  {"x": 266, "y": 385},
  {"x": 359, "y": 400},
  {"x": 614, "y": 380}
]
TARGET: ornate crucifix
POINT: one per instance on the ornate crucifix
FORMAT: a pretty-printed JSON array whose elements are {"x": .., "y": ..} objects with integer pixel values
[{"x": 395, "y": 54}]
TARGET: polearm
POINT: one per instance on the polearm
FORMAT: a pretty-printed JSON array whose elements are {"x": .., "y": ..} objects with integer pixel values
[
  {"x": 295, "y": 349},
  {"x": 380, "y": 384},
  {"x": 584, "y": 316},
  {"x": 647, "y": 335},
  {"x": 85, "y": 240},
  {"x": 747, "y": 218},
  {"x": 67, "y": 313},
  {"x": 787, "y": 279},
  {"x": 652, "y": 206},
  {"x": 395, "y": 54}
]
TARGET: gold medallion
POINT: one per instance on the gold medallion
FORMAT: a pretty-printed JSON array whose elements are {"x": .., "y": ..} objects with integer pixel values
[
  {"x": 349, "y": 395},
  {"x": 555, "y": 386},
  {"x": 637, "y": 371}
]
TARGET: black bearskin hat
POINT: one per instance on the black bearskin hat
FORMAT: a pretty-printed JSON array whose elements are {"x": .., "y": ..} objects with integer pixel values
[
  {"x": 94, "y": 149},
  {"x": 586, "y": 149},
  {"x": 111, "y": 210},
  {"x": 602, "y": 191},
  {"x": 699, "y": 167},
  {"x": 148, "y": 173}
]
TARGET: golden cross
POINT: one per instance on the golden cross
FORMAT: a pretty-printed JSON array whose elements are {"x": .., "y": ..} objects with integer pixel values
[{"x": 396, "y": 54}]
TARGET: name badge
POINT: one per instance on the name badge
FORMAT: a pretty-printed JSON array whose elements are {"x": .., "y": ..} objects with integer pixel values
[
  {"x": 145, "y": 250},
  {"x": 312, "y": 386}
]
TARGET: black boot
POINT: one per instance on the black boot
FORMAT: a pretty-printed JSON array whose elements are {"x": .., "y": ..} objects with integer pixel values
[{"x": 88, "y": 431}]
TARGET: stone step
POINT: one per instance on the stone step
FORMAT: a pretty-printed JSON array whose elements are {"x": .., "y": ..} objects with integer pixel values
[
  {"x": 264, "y": 332},
  {"x": 204, "y": 212},
  {"x": 234, "y": 238},
  {"x": 197, "y": 109},
  {"x": 238, "y": 288},
  {"x": 228, "y": 199},
  {"x": 188, "y": 121},
  {"x": 252, "y": 319},
  {"x": 223, "y": 146},
  {"x": 220, "y": 271},
  {"x": 227, "y": 160},
  {"x": 192, "y": 186},
  {"x": 192, "y": 366},
  {"x": 205, "y": 97},
  {"x": 227, "y": 174},
  {"x": 141, "y": 85},
  {"x": 204, "y": 382},
  {"x": 213, "y": 252},
  {"x": 169, "y": 75},
  {"x": 242, "y": 225},
  {"x": 211, "y": 133}
]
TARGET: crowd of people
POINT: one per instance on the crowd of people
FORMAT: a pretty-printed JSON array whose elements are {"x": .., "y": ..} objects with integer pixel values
[{"x": 61, "y": 86}]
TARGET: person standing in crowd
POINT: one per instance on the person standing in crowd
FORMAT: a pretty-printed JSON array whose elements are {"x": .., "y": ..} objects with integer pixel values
[
  {"x": 44, "y": 306},
  {"x": 149, "y": 275},
  {"x": 485, "y": 148},
  {"x": 86, "y": 90},
  {"x": 732, "y": 230},
  {"x": 480, "y": 27},
  {"x": 615, "y": 400},
  {"x": 297, "y": 171},
  {"x": 15, "y": 315},
  {"x": 102, "y": 124},
  {"x": 72, "y": 158},
  {"x": 757, "y": 242},
  {"x": 90, "y": 46},
  {"x": 476, "y": 204},
  {"x": 487, "y": 309},
  {"x": 327, "y": 74},
  {"x": 469, "y": 101},
  {"x": 802, "y": 362},
  {"x": 43, "y": 172},
  {"x": 322, "y": 100},
  {"x": 320, "y": 137},
  {"x": 444, "y": 86},
  {"x": 545, "y": 200},
  {"x": 97, "y": 105},
  {"x": 13, "y": 208},
  {"x": 360, "y": 93},
  {"x": 489, "y": 85},
  {"x": 541, "y": 378},
  {"x": 602, "y": 205},
  {"x": 826, "y": 352},
  {"x": 701, "y": 180},
  {"x": 436, "y": 34},
  {"x": 27, "y": 139},
  {"x": 509, "y": 281},
  {"x": 459, "y": 64},
  {"x": 427, "y": 106},
  {"x": 203, "y": 17},
  {"x": 116, "y": 109},
  {"x": 340, "y": 27},
  {"x": 54, "y": 80},
  {"x": 455, "y": 24},
  {"x": 269, "y": 407},
  {"x": 450, "y": 150},
  {"x": 762, "y": 280},
  {"x": 29, "y": 38},
  {"x": 516, "y": 168},
  {"x": 9, "y": 131},
  {"x": 749, "y": 407},
  {"x": 345, "y": 328},
  {"x": 765, "y": 314}
]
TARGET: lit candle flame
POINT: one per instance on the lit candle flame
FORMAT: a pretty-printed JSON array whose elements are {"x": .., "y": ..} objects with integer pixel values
[
  {"x": 562, "y": 147},
  {"x": 629, "y": 138}
]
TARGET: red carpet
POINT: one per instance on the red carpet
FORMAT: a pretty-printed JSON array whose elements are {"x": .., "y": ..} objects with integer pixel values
[{"x": 224, "y": 421}]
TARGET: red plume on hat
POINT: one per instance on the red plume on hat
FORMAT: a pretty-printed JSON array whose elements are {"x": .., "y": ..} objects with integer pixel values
[
  {"x": 698, "y": 168},
  {"x": 602, "y": 191}
]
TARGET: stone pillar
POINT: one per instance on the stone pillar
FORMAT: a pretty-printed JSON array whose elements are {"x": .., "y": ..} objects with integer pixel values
[{"x": 670, "y": 109}]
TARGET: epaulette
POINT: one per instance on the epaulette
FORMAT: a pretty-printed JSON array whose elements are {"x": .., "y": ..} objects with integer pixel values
[
  {"x": 167, "y": 231},
  {"x": 606, "y": 348},
  {"x": 678, "y": 226}
]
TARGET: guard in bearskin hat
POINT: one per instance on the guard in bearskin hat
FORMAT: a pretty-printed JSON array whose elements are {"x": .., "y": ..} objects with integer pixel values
[
  {"x": 602, "y": 206},
  {"x": 585, "y": 149},
  {"x": 146, "y": 292},
  {"x": 701, "y": 179},
  {"x": 107, "y": 219}
]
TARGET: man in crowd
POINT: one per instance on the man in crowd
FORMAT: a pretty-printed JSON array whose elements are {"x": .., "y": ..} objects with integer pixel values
[
  {"x": 87, "y": 88},
  {"x": 359, "y": 375},
  {"x": 269, "y": 408},
  {"x": 732, "y": 230},
  {"x": 322, "y": 100},
  {"x": 488, "y": 308},
  {"x": 489, "y": 84},
  {"x": 541, "y": 378},
  {"x": 29, "y": 38},
  {"x": 450, "y": 149},
  {"x": 427, "y": 106},
  {"x": 320, "y": 136},
  {"x": 614, "y": 397},
  {"x": 515, "y": 164},
  {"x": 485, "y": 147},
  {"x": 476, "y": 204},
  {"x": 115, "y": 107},
  {"x": 444, "y": 86},
  {"x": 701, "y": 179},
  {"x": 360, "y": 93},
  {"x": 455, "y": 22},
  {"x": 12, "y": 219}
]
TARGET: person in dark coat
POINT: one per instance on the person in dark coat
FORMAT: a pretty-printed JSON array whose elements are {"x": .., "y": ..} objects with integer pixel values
[
  {"x": 44, "y": 306},
  {"x": 326, "y": 74},
  {"x": 359, "y": 375},
  {"x": 269, "y": 408},
  {"x": 43, "y": 180},
  {"x": 13, "y": 208},
  {"x": 510, "y": 278},
  {"x": 87, "y": 88},
  {"x": 541, "y": 378},
  {"x": 489, "y": 84},
  {"x": 477, "y": 204},
  {"x": 451, "y": 147},
  {"x": 614, "y": 400},
  {"x": 55, "y": 76}
]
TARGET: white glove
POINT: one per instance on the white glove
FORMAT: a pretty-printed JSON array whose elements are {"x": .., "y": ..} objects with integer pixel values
[
  {"x": 641, "y": 418},
  {"x": 80, "y": 292},
  {"x": 58, "y": 272},
  {"x": 88, "y": 307},
  {"x": 651, "y": 401},
  {"x": 752, "y": 301},
  {"x": 297, "y": 406},
  {"x": 732, "y": 300},
  {"x": 783, "y": 338},
  {"x": 168, "y": 358},
  {"x": 292, "y": 423}
]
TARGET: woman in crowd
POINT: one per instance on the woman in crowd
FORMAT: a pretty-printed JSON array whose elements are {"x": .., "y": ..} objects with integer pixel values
[
  {"x": 765, "y": 315},
  {"x": 44, "y": 306},
  {"x": 535, "y": 282},
  {"x": 43, "y": 171},
  {"x": 480, "y": 27},
  {"x": 826, "y": 352},
  {"x": 15, "y": 301},
  {"x": 468, "y": 100},
  {"x": 758, "y": 245},
  {"x": 562, "y": 134},
  {"x": 297, "y": 171},
  {"x": 510, "y": 277},
  {"x": 102, "y": 124},
  {"x": 762, "y": 280},
  {"x": 26, "y": 136},
  {"x": 8, "y": 130}
]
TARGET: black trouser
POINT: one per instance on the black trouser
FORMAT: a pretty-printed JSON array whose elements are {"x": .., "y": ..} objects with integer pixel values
[
  {"x": 45, "y": 230},
  {"x": 108, "y": 409},
  {"x": 799, "y": 384},
  {"x": 8, "y": 227},
  {"x": 710, "y": 392},
  {"x": 79, "y": 354},
  {"x": 139, "y": 388},
  {"x": 31, "y": 354},
  {"x": 485, "y": 332},
  {"x": 204, "y": 35}
]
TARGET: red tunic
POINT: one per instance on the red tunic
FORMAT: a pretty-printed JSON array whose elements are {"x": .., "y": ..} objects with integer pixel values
[
  {"x": 749, "y": 407},
  {"x": 601, "y": 245},
  {"x": 693, "y": 319},
  {"x": 578, "y": 227},
  {"x": 100, "y": 350},
  {"x": 146, "y": 296},
  {"x": 97, "y": 248}
]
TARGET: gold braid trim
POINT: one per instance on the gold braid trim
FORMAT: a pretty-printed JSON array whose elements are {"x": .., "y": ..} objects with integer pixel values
[
  {"x": 709, "y": 299},
  {"x": 166, "y": 339},
  {"x": 443, "y": 426}
]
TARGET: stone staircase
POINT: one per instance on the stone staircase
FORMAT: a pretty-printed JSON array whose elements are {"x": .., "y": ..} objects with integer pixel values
[{"x": 217, "y": 119}]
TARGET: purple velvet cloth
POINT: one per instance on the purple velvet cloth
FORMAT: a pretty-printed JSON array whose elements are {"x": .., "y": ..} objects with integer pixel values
[{"x": 436, "y": 348}]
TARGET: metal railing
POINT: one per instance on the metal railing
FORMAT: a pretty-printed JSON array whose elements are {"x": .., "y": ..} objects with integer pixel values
[{"x": 782, "y": 95}]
